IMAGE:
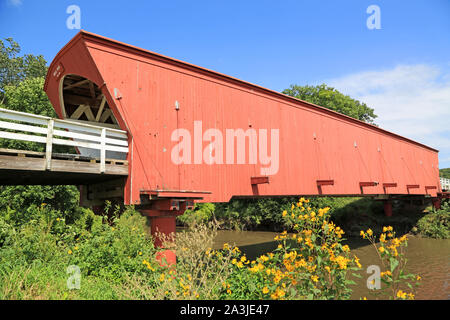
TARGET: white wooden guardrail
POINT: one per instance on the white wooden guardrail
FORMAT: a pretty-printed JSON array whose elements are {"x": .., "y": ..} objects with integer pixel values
[
  {"x": 52, "y": 131},
  {"x": 445, "y": 183}
]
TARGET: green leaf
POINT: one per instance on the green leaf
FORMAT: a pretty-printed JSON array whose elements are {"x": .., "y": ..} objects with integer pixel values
[{"x": 393, "y": 263}]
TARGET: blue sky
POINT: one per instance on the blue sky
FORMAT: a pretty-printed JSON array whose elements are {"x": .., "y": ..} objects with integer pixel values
[{"x": 401, "y": 70}]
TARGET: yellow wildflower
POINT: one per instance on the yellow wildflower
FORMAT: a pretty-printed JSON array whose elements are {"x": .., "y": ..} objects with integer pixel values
[
  {"x": 386, "y": 273},
  {"x": 357, "y": 262},
  {"x": 401, "y": 294}
]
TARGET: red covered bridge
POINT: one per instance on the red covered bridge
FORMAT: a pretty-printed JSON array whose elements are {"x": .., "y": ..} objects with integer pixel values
[{"x": 197, "y": 135}]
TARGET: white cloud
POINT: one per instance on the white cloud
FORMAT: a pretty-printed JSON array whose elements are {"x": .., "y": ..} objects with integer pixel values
[
  {"x": 410, "y": 100},
  {"x": 15, "y": 3}
]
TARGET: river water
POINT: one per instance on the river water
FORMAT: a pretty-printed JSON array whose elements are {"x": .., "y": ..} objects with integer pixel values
[{"x": 430, "y": 258}]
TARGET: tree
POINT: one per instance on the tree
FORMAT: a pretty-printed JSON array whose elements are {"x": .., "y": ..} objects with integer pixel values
[
  {"x": 330, "y": 98},
  {"x": 444, "y": 173},
  {"x": 21, "y": 89},
  {"x": 15, "y": 68}
]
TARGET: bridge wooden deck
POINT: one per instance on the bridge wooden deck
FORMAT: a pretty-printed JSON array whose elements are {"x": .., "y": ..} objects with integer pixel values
[
  {"x": 25, "y": 167},
  {"x": 22, "y": 167}
]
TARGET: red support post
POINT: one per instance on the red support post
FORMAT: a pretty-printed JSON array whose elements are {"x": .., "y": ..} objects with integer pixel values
[
  {"x": 387, "y": 208},
  {"x": 162, "y": 217},
  {"x": 162, "y": 225},
  {"x": 436, "y": 203}
]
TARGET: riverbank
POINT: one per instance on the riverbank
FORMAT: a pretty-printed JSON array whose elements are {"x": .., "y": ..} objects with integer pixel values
[
  {"x": 426, "y": 257},
  {"x": 116, "y": 259},
  {"x": 351, "y": 214}
]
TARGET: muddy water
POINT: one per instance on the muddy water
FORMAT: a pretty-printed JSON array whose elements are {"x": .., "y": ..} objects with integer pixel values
[{"x": 430, "y": 258}]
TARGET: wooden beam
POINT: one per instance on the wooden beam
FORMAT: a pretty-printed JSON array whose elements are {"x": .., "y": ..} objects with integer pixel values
[
  {"x": 325, "y": 182},
  {"x": 89, "y": 114},
  {"x": 368, "y": 184},
  {"x": 78, "y": 112},
  {"x": 83, "y": 108},
  {"x": 100, "y": 109},
  {"x": 106, "y": 115},
  {"x": 390, "y": 185},
  {"x": 76, "y": 84},
  {"x": 77, "y": 99},
  {"x": 92, "y": 89},
  {"x": 321, "y": 183},
  {"x": 259, "y": 180},
  {"x": 49, "y": 144},
  {"x": 102, "y": 151}
]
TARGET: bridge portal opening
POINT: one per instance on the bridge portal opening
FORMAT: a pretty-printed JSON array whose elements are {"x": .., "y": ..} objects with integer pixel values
[{"x": 82, "y": 100}]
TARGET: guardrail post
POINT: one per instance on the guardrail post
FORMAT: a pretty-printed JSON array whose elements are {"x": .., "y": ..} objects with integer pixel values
[
  {"x": 49, "y": 144},
  {"x": 102, "y": 151}
]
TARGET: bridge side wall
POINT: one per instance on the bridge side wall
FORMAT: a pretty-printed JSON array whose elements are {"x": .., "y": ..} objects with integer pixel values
[{"x": 314, "y": 144}]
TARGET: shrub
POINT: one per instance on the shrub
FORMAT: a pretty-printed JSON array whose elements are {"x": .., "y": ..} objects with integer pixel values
[
  {"x": 201, "y": 213},
  {"x": 391, "y": 252},
  {"x": 436, "y": 224},
  {"x": 310, "y": 263},
  {"x": 111, "y": 250}
]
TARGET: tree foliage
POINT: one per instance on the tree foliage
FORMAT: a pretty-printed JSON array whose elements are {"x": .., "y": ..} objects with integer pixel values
[
  {"x": 21, "y": 89},
  {"x": 15, "y": 68},
  {"x": 444, "y": 173},
  {"x": 331, "y": 98}
]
